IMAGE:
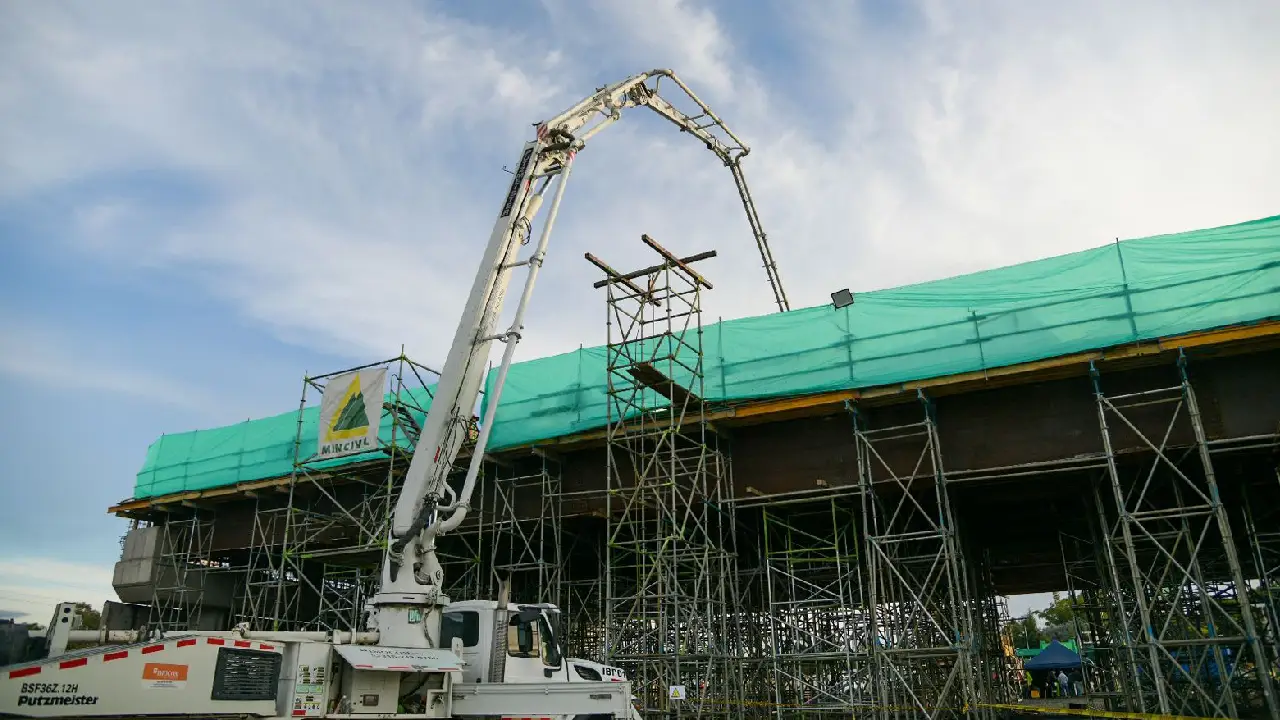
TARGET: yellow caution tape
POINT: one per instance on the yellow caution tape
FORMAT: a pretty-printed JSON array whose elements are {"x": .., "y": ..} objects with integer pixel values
[
  {"x": 1079, "y": 712},
  {"x": 1090, "y": 713}
]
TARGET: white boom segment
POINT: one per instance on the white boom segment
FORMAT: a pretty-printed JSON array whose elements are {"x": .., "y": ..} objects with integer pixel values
[
  {"x": 412, "y": 576},
  {"x": 408, "y": 658}
]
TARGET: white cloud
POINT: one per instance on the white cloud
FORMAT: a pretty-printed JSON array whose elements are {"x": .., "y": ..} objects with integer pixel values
[
  {"x": 45, "y": 357},
  {"x": 352, "y": 154},
  {"x": 673, "y": 34},
  {"x": 337, "y": 177},
  {"x": 1025, "y": 130},
  {"x": 30, "y": 587},
  {"x": 101, "y": 218}
]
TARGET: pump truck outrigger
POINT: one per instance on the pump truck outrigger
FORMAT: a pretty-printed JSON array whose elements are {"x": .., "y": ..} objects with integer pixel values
[{"x": 423, "y": 655}]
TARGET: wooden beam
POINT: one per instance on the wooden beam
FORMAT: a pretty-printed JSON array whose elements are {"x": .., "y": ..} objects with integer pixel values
[
  {"x": 652, "y": 378},
  {"x": 617, "y": 277},
  {"x": 655, "y": 268},
  {"x": 673, "y": 260}
]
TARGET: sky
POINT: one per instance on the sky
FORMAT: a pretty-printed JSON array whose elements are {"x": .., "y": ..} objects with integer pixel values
[{"x": 200, "y": 202}]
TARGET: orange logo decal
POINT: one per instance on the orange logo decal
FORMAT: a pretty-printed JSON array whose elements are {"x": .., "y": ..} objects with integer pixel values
[{"x": 163, "y": 671}]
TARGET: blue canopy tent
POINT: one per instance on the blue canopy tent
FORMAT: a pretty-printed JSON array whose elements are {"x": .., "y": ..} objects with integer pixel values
[{"x": 1054, "y": 656}]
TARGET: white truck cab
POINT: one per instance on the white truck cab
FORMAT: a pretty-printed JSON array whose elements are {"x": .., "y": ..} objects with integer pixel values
[{"x": 531, "y": 641}]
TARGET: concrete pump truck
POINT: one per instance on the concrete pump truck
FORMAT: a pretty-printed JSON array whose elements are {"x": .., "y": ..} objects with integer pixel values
[{"x": 422, "y": 655}]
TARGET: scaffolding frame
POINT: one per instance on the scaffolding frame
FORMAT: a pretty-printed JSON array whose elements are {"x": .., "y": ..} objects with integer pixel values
[
  {"x": 1262, "y": 523},
  {"x": 314, "y": 558},
  {"x": 819, "y": 631},
  {"x": 864, "y": 599},
  {"x": 1190, "y": 635},
  {"x": 752, "y": 620},
  {"x": 669, "y": 564},
  {"x": 183, "y": 562},
  {"x": 583, "y": 595},
  {"x": 525, "y": 529},
  {"x": 262, "y": 603},
  {"x": 918, "y": 593},
  {"x": 997, "y": 674},
  {"x": 1097, "y": 622}
]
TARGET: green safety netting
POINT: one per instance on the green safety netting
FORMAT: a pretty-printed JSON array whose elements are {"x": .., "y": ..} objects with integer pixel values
[
  {"x": 1130, "y": 290},
  {"x": 255, "y": 449}
]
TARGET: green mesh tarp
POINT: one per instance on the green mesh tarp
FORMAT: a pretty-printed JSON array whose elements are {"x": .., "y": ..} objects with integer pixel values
[
  {"x": 1132, "y": 290},
  {"x": 253, "y": 450}
]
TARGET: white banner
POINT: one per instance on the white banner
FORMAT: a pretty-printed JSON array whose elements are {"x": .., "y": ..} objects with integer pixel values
[{"x": 350, "y": 413}]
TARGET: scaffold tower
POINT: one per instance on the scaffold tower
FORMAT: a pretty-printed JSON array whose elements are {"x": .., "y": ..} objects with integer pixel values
[
  {"x": 1098, "y": 623},
  {"x": 184, "y": 564},
  {"x": 917, "y": 590},
  {"x": 670, "y": 571},
  {"x": 1262, "y": 523},
  {"x": 1192, "y": 627},
  {"x": 525, "y": 532},
  {"x": 995, "y": 673},
  {"x": 819, "y": 631}
]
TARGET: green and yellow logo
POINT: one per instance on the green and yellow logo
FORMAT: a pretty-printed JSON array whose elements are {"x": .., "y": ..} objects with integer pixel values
[{"x": 346, "y": 429}]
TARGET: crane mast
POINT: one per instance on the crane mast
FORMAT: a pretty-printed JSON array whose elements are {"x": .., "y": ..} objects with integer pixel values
[{"x": 412, "y": 577}]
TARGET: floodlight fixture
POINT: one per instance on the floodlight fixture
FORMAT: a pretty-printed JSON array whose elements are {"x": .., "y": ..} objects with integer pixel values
[{"x": 842, "y": 298}]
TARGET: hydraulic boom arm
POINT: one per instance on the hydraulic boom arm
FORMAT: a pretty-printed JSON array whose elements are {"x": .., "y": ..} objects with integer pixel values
[{"x": 427, "y": 506}]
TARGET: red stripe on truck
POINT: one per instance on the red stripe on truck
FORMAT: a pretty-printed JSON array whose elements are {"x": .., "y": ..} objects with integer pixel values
[
  {"x": 152, "y": 648},
  {"x": 115, "y": 655},
  {"x": 186, "y": 643},
  {"x": 217, "y": 641},
  {"x": 264, "y": 646},
  {"x": 24, "y": 672},
  {"x": 68, "y": 664},
  {"x": 243, "y": 643}
]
